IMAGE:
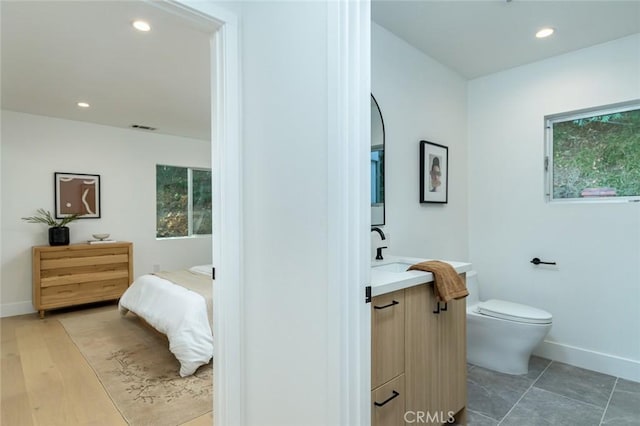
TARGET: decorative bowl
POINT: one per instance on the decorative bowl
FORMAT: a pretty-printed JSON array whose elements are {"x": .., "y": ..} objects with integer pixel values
[{"x": 100, "y": 236}]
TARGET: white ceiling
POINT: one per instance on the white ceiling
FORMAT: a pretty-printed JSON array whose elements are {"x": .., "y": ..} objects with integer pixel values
[
  {"x": 481, "y": 37},
  {"x": 56, "y": 53}
]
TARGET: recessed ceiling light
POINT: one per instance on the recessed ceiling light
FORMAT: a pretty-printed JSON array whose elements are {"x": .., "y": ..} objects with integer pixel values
[
  {"x": 141, "y": 25},
  {"x": 83, "y": 105},
  {"x": 544, "y": 32}
]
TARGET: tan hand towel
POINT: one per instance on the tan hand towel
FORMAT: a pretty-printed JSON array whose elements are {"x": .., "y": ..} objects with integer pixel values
[{"x": 447, "y": 283}]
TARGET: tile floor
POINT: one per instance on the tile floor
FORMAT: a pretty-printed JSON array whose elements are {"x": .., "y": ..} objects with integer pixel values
[{"x": 551, "y": 394}]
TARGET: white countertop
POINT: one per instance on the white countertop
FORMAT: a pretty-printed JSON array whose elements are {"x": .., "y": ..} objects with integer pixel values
[{"x": 383, "y": 282}]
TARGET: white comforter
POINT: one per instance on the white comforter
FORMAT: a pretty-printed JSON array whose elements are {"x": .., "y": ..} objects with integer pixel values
[{"x": 178, "y": 313}]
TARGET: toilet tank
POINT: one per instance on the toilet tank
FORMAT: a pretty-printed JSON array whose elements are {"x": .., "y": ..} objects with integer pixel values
[{"x": 472, "y": 286}]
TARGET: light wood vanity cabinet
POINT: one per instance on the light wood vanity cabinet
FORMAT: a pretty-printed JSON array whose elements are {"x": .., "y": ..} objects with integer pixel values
[
  {"x": 80, "y": 273},
  {"x": 433, "y": 370}
]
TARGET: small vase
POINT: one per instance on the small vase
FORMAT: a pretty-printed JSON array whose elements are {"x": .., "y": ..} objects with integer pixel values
[{"x": 59, "y": 236}]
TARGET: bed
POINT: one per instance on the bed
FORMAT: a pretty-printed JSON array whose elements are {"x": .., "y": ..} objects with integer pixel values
[{"x": 179, "y": 305}]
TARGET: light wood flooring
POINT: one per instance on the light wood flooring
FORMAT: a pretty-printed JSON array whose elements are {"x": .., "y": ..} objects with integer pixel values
[{"x": 45, "y": 380}]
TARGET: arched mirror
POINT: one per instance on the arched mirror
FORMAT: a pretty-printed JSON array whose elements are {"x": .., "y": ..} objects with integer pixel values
[{"x": 377, "y": 164}]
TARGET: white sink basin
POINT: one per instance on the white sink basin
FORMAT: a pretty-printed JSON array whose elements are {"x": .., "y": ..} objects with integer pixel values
[{"x": 393, "y": 267}]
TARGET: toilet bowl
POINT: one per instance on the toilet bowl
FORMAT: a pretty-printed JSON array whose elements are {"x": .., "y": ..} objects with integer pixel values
[{"x": 502, "y": 335}]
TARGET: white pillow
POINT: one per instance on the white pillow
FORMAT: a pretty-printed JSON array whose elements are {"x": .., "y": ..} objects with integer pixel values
[{"x": 202, "y": 269}]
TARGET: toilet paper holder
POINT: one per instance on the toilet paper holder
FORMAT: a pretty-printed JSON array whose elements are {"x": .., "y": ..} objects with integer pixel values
[{"x": 537, "y": 261}]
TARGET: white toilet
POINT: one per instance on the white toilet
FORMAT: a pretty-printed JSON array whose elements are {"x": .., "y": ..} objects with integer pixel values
[{"x": 501, "y": 335}]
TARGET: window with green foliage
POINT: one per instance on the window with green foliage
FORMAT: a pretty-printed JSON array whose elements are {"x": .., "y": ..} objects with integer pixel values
[
  {"x": 594, "y": 154},
  {"x": 183, "y": 201}
]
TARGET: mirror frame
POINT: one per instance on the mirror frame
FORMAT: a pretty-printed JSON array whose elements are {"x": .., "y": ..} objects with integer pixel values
[{"x": 384, "y": 165}]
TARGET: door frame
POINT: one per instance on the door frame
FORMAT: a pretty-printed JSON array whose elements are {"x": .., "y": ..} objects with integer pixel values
[
  {"x": 349, "y": 238},
  {"x": 348, "y": 317},
  {"x": 226, "y": 171}
]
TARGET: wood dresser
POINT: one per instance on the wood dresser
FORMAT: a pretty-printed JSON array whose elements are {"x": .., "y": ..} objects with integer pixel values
[{"x": 80, "y": 273}]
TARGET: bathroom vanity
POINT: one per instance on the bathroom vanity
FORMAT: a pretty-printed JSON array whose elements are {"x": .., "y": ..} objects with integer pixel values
[{"x": 418, "y": 348}]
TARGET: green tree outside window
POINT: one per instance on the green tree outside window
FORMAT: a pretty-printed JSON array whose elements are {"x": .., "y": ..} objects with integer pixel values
[
  {"x": 183, "y": 201},
  {"x": 596, "y": 156}
]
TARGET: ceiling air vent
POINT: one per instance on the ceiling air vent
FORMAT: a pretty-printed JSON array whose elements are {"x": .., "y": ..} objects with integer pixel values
[{"x": 142, "y": 127}]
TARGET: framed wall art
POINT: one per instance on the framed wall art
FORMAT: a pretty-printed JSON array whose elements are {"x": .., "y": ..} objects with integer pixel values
[
  {"x": 77, "y": 193},
  {"x": 434, "y": 172}
]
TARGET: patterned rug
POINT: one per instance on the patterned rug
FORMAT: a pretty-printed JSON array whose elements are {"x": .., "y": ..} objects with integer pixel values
[{"x": 137, "y": 370}]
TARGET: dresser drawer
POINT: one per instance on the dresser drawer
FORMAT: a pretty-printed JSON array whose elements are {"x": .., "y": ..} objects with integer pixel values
[
  {"x": 73, "y": 294},
  {"x": 66, "y": 277}
]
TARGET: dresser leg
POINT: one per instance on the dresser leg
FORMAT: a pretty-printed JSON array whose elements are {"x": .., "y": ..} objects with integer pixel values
[{"x": 41, "y": 314}]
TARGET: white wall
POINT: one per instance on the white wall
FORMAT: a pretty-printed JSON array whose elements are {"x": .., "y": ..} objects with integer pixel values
[
  {"x": 297, "y": 104},
  {"x": 594, "y": 294},
  {"x": 420, "y": 99},
  {"x": 285, "y": 106},
  {"x": 34, "y": 147}
]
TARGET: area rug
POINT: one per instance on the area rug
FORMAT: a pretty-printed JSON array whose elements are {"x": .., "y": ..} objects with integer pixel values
[{"x": 137, "y": 370}]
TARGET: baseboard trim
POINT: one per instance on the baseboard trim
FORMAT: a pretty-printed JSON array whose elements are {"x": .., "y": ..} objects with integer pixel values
[
  {"x": 17, "y": 308},
  {"x": 597, "y": 361}
]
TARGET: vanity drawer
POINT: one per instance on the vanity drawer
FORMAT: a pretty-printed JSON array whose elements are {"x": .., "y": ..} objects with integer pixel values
[
  {"x": 387, "y": 339},
  {"x": 387, "y": 403}
]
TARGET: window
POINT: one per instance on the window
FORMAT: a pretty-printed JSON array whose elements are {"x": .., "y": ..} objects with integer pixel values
[
  {"x": 183, "y": 201},
  {"x": 594, "y": 154}
]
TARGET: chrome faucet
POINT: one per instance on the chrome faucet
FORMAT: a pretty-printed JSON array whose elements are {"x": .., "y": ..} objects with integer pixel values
[{"x": 379, "y": 249}]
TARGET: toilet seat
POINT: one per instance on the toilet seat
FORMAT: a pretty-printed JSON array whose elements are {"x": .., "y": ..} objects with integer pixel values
[{"x": 514, "y": 312}]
